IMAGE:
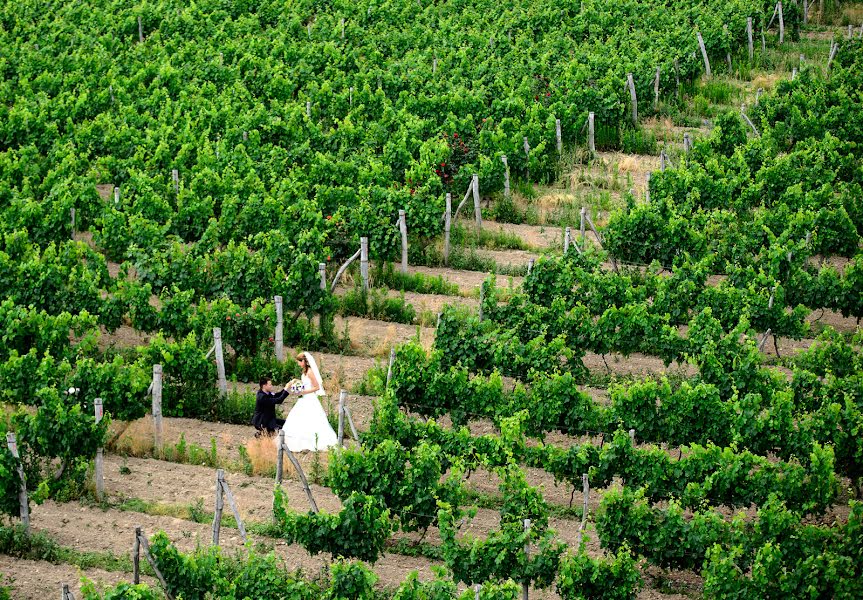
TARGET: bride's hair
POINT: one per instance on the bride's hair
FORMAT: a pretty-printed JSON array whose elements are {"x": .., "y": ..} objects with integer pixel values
[{"x": 302, "y": 356}]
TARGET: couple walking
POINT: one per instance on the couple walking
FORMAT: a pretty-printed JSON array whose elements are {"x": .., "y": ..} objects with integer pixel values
[{"x": 306, "y": 427}]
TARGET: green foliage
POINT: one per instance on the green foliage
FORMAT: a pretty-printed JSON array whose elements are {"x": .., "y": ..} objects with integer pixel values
[
  {"x": 360, "y": 530},
  {"x": 121, "y": 591},
  {"x": 209, "y": 572},
  {"x": 407, "y": 482},
  {"x": 58, "y": 430}
]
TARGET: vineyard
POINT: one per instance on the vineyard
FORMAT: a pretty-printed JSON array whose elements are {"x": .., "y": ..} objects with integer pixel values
[{"x": 584, "y": 280}]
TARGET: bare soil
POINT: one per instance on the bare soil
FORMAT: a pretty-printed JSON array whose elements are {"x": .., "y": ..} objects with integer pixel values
[{"x": 37, "y": 580}]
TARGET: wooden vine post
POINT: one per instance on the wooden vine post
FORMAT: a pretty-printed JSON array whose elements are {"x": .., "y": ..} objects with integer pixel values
[
  {"x": 749, "y": 39},
  {"x": 506, "y": 192},
  {"x": 390, "y": 366},
  {"x": 527, "y": 157},
  {"x": 99, "y": 470},
  {"x": 583, "y": 222},
  {"x": 116, "y": 196},
  {"x": 656, "y": 90},
  {"x": 567, "y": 239},
  {"x": 558, "y": 137},
  {"x": 72, "y": 221},
  {"x": 23, "y": 506},
  {"x": 224, "y": 491},
  {"x": 66, "y": 593},
  {"x": 175, "y": 176},
  {"x": 447, "y": 225},
  {"x": 140, "y": 31},
  {"x": 220, "y": 360},
  {"x": 525, "y": 584},
  {"x": 156, "y": 394},
  {"x": 781, "y": 22},
  {"x": 403, "y": 230},
  {"x": 142, "y": 543},
  {"x": 476, "y": 207},
  {"x": 283, "y": 448},
  {"x": 341, "y": 433},
  {"x": 703, "y": 53},
  {"x": 364, "y": 262},
  {"x": 280, "y": 327},
  {"x": 630, "y": 83},
  {"x": 591, "y": 133},
  {"x": 585, "y": 487}
]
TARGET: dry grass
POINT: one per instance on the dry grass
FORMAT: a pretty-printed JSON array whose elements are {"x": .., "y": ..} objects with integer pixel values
[
  {"x": 766, "y": 81},
  {"x": 381, "y": 347},
  {"x": 137, "y": 438},
  {"x": 262, "y": 455}
]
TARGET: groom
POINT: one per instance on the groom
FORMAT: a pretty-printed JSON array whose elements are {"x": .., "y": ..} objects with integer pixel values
[{"x": 265, "y": 407}]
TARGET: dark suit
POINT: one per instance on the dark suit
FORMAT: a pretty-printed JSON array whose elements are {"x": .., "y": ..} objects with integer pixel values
[{"x": 265, "y": 411}]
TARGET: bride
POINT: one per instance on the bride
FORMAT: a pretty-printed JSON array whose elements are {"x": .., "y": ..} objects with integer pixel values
[{"x": 307, "y": 427}]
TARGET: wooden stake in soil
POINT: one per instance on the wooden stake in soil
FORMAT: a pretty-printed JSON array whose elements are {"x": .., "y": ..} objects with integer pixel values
[
  {"x": 591, "y": 131},
  {"x": 530, "y": 265},
  {"x": 703, "y": 53},
  {"x": 632, "y": 436},
  {"x": 447, "y": 224},
  {"x": 656, "y": 90},
  {"x": 567, "y": 239},
  {"x": 220, "y": 504},
  {"x": 390, "y": 366},
  {"x": 136, "y": 557},
  {"x": 630, "y": 83},
  {"x": 527, "y": 157},
  {"x": 676, "y": 78},
  {"x": 593, "y": 229},
  {"x": 763, "y": 43},
  {"x": 364, "y": 262},
  {"x": 280, "y": 456},
  {"x": 558, "y": 137},
  {"x": 749, "y": 39},
  {"x": 524, "y": 585},
  {"x": 506, "y": 192},
  {"x": 146, "y": 546},
  {"x": 341, "y": 434},
  {"x": 220, "y": 360},
  {"x": 351, "y": 96},
  {"x": 23, "y": 506},
  {"x": 322, "y": 272},
  {"x": 583, "y": 214},
  {"x": 687, "y": 143},
  {"x": 140, "y": 31},
  {"x": 280, "y": 326},
  {"x": 344, "y": 267},
  {"x": 98, "y": 470},
  {"x": 476, "y": 590},
  {"x": 805, "y": 12},
  {"x": 65, "y": 593},
  {"x": 157, "y": 408},
  {"x": 226, "y": 490},
  {"x": 748, "y": 121},
  {"x": 308, "y": 108},
  {"x": 354, "y": 433},
  {"x": 476, "y": 207},
  {"x": 301, "y": 474},
  {"x": 781, "y": 23},
  {"x": 403, "y": 230},
  {"x": 116, "y": 196},
  {"x": 175, "y": 176}
]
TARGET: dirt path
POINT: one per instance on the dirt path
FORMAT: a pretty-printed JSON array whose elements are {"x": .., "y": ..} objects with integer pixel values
[{"x": 38, "y": 580}]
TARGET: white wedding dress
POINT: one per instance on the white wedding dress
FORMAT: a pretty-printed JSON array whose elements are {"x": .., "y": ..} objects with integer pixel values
[{"x": 307, "y": 427}]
